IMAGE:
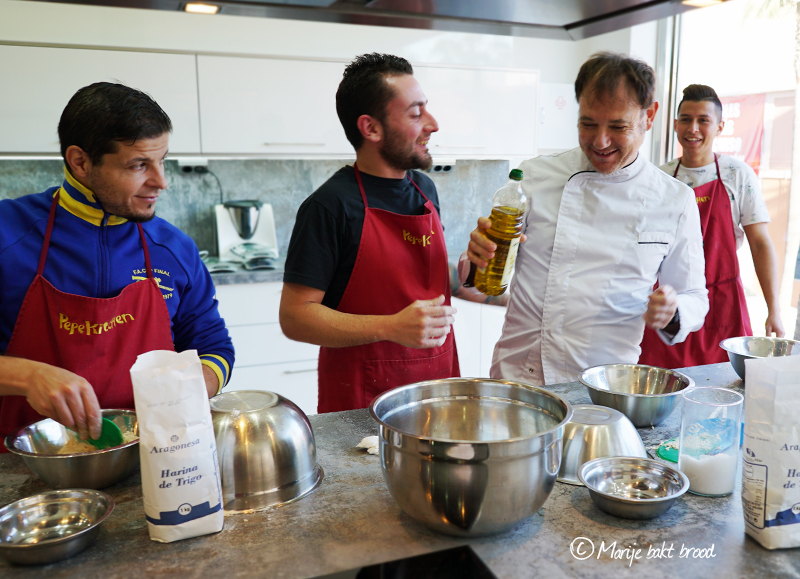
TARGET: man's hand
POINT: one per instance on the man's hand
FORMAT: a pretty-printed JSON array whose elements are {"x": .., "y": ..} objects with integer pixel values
[
  {"x": 65, "y": 397},
  {"x": 661, "y": 307},
  {"x": 423, "y": 324},
  {"x": 774, "y": 325},
  {"x": 481, "y": 248}
]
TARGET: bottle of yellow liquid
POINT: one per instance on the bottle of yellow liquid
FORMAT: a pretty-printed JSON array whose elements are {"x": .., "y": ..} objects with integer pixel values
[{"x": 508, "y": 210}]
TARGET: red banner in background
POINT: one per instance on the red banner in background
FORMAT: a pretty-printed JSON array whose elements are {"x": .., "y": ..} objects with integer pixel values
[{"x": 744, "y": 129}]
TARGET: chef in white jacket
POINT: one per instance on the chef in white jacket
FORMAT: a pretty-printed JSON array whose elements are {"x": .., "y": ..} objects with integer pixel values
[{"x": 603, "y": 225}]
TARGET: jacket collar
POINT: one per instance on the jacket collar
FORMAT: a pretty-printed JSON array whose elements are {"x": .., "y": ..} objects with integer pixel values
[
  {"x": 81, "y": 202},
  {"x": 626, "y": 173}
]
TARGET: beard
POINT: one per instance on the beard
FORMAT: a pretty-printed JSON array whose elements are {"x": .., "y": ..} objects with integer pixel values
[{"x": 400, "y": 157}]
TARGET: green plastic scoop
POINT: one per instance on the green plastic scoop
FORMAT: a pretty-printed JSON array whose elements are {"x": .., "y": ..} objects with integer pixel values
[{"x": 110, "y": 436}]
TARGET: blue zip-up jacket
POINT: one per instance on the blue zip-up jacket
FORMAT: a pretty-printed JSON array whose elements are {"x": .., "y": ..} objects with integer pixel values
[{"x": 95, "y": 254}]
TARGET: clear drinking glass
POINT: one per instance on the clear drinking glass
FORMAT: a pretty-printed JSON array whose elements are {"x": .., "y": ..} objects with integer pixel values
[{"x": 709, "y": 441}]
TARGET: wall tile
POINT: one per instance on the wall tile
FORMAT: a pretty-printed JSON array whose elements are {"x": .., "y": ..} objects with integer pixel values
[{"x": 465, "y": 193}]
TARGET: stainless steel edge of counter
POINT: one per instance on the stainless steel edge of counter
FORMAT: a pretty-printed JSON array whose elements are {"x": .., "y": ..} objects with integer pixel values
[{"x": 351, "y": 521}]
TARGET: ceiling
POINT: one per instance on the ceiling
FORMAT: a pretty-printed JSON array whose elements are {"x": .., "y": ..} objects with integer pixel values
[{"x": 563, "y": 19}]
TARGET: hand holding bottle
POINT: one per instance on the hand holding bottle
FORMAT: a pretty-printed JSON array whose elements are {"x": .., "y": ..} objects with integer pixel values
[{"x": 493, "y": 245}]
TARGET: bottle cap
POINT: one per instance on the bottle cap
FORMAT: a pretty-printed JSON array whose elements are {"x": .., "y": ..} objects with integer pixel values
[{"x": 515, "y": 174}]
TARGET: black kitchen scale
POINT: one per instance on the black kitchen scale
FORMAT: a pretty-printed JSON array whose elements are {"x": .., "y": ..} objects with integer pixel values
[{"x": 457, "y": 563}]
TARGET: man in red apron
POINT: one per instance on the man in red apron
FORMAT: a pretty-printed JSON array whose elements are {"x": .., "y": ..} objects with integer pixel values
[
  {"x": 71, "y": 321},
  {"x": 723, "y": 187},
  {"x": 366, "y": 273}
]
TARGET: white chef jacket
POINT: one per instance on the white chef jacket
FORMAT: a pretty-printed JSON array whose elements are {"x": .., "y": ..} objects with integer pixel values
[{"x": 596, "y": 246}]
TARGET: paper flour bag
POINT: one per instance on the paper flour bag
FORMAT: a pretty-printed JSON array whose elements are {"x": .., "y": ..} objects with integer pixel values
[
  {"x": 771, "y": 452},
  {"x": 178, "y": 452}
]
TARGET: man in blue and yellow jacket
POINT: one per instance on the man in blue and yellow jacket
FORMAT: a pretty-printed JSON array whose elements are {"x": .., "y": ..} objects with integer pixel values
[{"x": 90, "y": 278}]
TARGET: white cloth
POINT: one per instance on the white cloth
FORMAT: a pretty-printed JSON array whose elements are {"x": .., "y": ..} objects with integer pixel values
[
  {"x": 596, "y": 245},
  {"x": 741, "y": 182},
  {"x": 370, "y": 443}
]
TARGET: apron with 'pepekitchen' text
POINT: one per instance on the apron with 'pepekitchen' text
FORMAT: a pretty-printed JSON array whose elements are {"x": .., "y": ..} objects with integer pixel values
[
  {"x": 96, "y": 338},
  {"x": 401, "y": 259},
  {"x": 727, "y": 308}
]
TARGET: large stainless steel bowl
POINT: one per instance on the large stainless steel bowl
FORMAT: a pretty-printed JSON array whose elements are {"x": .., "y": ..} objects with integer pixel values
[
  {"x": 645, "y": 394},
  {"x": 633, "y": 488},
  {"x": 39, "y": 443},
  {"x": 52, "y": 526},
  {"x": 266, "y": 450},
  {"x": 748, "y": 347},
  {"x": 596, "y": 432},
  {"x": 470, "y": 457}
]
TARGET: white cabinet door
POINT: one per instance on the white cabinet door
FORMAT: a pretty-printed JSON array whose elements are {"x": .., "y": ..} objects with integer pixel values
[
  {"x": 249, "y": 303},
  {"x": 467, "y": 327},
  {"x": 38, "y": 82},
  {"x": 296, "y": 381},
  {"x": 270, "y": 106},
  {"x": 492, "y": 320},
  {"x": 266, "y": 344},
  {"x": 482, "y": 113}
]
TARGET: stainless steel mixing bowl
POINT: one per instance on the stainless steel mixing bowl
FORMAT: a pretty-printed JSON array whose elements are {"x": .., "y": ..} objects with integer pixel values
[
  {"x": 645, "y": 394},
  {"x": 470, "y": 457},
  {"x": 39, "y": 443},
  {"x": 596, "y": 432},
  {"x": 632, "y": 488},
  {"x": 52, "y": 526},
  {"x": 747, "y": 347},
  {"x": 266, "y": 450}
]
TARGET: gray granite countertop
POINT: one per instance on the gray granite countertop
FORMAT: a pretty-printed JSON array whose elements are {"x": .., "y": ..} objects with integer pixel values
[
  {"x": 242, "y": 275},
  {"x": 351, "y": 520}
]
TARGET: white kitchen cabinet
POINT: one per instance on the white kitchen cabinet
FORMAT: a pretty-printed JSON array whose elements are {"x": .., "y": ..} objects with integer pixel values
[
  {"x": 39, "y": 81},
  {"x": 265, "y": 358},
  {"x": 477, "y": 327},
  {"x": 270, "y": 106},
  {"x": 482, "y": 112}
]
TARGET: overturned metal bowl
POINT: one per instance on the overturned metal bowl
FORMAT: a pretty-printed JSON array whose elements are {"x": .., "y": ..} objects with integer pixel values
[
  {"x": 748, "y": 347},
  {"x": 470, "y": 457},
  {"x": 52, "y": 526},
  {"x": 38, "y": 445},
  {"x": 632, "y": 488},
  {"x": 266, "y": 450},
  {"x": 596, "y": 432},
  {"x": 645, "y": 394}
]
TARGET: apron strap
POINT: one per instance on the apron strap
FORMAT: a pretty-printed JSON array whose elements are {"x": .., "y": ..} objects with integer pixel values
[
  {"x": 146, "y": 251},
  {"x": 47, "y": 233},
  {"x": 675, "y": 174}
]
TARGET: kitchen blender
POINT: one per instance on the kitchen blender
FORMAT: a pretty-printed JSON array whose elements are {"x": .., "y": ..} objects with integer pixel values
[{"x": 246, "y": 233}]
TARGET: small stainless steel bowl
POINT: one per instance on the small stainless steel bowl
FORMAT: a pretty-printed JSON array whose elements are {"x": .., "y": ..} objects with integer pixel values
[
  {"x": 632, "y": 488},
  {"x": 266, "y": 450},
  {"x": 470, "y": 457},
  {"x": 52, "y": 526},
  {"x": 596, "y": 432},
  {"x": 747, "y": 347},
  {"x": 38, "y": 445},
  {"x": 645, "y": 394}
]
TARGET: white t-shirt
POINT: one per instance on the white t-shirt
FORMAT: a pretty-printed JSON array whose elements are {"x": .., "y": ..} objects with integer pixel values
[{"x": 747, "y": 201}]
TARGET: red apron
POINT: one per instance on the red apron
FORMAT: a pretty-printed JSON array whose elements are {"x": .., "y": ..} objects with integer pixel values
[
  {"x": 401, "y": 259},
  {"x": 95, "y": 338},
  {"x": 727, "y": 314}
]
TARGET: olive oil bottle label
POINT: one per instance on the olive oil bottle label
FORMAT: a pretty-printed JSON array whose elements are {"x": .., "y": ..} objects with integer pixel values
[{"x": 512, "y": 257}]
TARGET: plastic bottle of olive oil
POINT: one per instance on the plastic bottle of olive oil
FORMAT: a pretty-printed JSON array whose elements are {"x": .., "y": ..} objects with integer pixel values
[{"x": 508, "y": 210}]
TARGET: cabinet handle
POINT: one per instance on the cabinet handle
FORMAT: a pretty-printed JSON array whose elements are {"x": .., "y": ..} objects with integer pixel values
[
  {"x": 299, "y": 371},
  {"x": 294, "y": 144}
]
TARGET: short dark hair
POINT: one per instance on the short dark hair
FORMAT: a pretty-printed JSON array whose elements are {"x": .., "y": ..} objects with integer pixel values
[
  {"x": 700, "y": 93},
  {"x": 100, "y": 115},
  {"x": 604, "y": 71},
  {"x": 364, "y": 91}
]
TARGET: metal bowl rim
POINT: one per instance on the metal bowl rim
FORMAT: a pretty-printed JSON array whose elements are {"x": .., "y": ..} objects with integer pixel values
[
  {"x": 383, "y": 424},
  {"x": 689, "y": 386},
  {"x": 634, "y": 501},
  {"x": 65, "y": 539},
  {"x": 773, "y": 339},
  {"x": 11, "y": 437}
]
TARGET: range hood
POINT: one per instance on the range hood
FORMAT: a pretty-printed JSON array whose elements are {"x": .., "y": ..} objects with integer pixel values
[{"x": 559, "y": 19}]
